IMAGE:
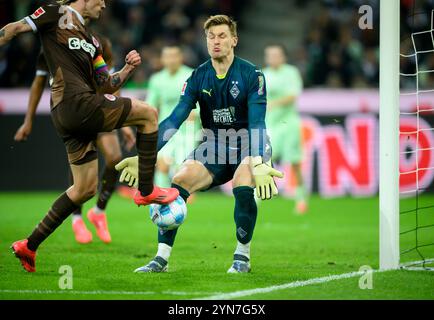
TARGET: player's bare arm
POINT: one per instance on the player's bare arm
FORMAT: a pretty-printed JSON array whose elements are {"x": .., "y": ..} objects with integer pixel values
[
  {"x": 110, "y": 83},
  {"x": 36, "y": 92},
  {"x": 11, "y": 30}
]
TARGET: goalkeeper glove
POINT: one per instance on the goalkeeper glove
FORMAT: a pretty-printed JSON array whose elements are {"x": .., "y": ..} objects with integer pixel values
[
  {"x": 130, "y": 171},
  {"x": 263, "y": 174}
]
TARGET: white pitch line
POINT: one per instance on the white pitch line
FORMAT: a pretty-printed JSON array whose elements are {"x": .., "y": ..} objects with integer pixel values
[
  {"x": 295, "y": 284},
  {"x": 102, "y": 292}
]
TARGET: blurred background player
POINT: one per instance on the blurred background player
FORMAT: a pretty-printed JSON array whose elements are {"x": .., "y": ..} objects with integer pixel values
[
  {"x": 163, "y": 93},
  {"x": 107, "y": 143},
  {"x": 284, "y": 85},
  {"x": 232, "y": 97}
]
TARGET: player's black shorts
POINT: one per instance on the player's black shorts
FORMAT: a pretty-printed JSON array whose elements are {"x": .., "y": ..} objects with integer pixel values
[
  {"x": 79, "y": 119},
  {"x": 222, "y": 158}
]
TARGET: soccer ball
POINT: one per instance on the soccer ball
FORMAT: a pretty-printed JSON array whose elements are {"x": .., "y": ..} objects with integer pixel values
[{"x": 169, "y": 216}]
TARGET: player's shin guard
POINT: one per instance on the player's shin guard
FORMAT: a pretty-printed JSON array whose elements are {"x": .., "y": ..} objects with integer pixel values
[
  {"x": 60, "y": 210},
  {"x": 168, "y": 237},
  {"x": 108, "y": 185},
  {"x": 146, "y": 144},
  {"x": 245, "y": 213}
]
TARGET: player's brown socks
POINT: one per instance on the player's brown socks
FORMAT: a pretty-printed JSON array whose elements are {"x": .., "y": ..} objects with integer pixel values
[
  {"x": 108, "y": 184},
  {"x": 60, "y": 210},
  {"x": 146, "y": 144},
  {"x": 78, "y": 211}
]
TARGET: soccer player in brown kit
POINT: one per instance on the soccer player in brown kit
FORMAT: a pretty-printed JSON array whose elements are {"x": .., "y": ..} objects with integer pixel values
[
  {"x": 80, "y": 110},
  {"x": 107, "y": 143}
]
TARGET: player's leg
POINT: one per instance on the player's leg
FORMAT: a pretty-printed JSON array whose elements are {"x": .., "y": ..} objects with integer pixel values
[
  {"x": 245, "y": 213},
  {"x": 193, "y": 176},
  {"x": 84, "y": 188},
  {"x": 145, "y": 118},
  {"x": 293, "y": 154},
  {"x": 108, "y": 144},
  {"x": 81, "y": 233},
  {"x": 300, "y": 191}
]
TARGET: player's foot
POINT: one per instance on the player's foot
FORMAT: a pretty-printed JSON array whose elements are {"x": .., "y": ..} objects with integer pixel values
[
  {"x": 27, "y": 257},
  {"x": 82, "y": 235},
  {"x": 301, "y": 207},
  {"x": 241, "y": 264},
  {"x": 100, "y": 222},
  {"x": 158, "y": 196},
  {"x": 127, "y": 192},
  {"x": 158, "y": 264}
]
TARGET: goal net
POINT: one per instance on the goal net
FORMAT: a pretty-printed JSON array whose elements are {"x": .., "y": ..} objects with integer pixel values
[
  {"x": 416, "y": 133},
  {"x": 406, "y": 137}
]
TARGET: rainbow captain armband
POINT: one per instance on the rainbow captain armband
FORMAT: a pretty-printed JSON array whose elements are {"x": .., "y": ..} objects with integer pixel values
[{"x": 100, "y": 66}]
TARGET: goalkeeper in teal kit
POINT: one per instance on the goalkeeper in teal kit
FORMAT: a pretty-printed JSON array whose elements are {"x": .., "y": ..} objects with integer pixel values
[{"x": 231, "y": 93}]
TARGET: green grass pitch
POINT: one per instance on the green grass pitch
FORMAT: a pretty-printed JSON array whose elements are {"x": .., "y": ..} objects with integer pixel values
[{"x": 336, "y": 236}]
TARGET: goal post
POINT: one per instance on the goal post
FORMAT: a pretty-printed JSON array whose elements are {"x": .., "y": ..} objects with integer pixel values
[{"x": 389, "y": 134}]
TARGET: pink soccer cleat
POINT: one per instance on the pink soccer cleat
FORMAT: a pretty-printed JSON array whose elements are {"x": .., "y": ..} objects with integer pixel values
[
  {"x": 301, "y": 207},
  {"x": 82, "y": 235},
  {"x": 158, "y": 196},
  {"x": 27, "y": 257}
]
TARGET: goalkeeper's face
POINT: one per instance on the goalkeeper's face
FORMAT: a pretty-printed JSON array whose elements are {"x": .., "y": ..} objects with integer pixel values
[
  {"x": 220, "y": 41},
  {"x": 93, "y": 8}
]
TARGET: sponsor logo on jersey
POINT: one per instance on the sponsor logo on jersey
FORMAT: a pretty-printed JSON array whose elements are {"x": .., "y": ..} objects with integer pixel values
[
  {"x": 110, "y": 97},
  {"x": 183, "y": 88},
  {"x": 208, "y": 92},
  {"x": 39, "y": 12},
  {"x": 77, "y": 44},
  {"x": 223, "y": 116}
]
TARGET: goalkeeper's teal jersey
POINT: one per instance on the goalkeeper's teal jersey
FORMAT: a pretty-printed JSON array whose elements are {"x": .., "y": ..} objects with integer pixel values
[
  {"x": 164, "y": 89},
  {"x": 282, "y": 82}
]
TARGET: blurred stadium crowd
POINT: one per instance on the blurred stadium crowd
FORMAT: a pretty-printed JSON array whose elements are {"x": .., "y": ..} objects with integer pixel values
[{"x": 335, "y": 52}]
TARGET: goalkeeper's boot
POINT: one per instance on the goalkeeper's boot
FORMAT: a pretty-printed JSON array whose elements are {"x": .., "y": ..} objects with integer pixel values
[
  {"x": 158, "y": 196},
  {"x": 100, "y": 222},
  {"x": 82, "y": 235},
  {"x": 241, "y": 264},
  {"x": 27, "y": 257},
  {"x": 158, "y": 264}
]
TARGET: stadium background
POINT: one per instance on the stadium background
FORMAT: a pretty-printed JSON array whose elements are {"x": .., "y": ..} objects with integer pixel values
[{"x": 339, "y": 63}]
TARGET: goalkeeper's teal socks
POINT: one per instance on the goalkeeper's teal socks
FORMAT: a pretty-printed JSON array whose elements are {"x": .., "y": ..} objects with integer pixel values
[
  {"x": 245, "y": 213},
  {"x": 168, "y": 236}
]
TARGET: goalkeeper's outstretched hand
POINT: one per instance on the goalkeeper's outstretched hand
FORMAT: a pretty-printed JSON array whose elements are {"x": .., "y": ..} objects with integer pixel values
[
  {"x": 263, "y": 174},
  {"x": 130, "y": 171}
]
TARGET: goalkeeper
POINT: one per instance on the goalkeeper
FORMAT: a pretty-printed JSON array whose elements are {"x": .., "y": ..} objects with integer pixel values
[{"x": 231, "y": 94}]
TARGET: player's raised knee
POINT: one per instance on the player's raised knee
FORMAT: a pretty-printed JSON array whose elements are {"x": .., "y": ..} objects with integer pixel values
[{"x": 143, "y": 110}]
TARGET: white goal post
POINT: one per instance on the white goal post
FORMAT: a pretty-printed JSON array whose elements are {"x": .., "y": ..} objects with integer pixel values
[{"x": 389, "y": 134}]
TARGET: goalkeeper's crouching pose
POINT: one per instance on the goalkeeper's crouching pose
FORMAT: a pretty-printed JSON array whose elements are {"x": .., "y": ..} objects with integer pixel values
[{"x": 232, "y": 96}]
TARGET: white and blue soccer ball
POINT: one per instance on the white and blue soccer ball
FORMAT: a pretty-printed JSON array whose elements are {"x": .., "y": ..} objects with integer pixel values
[{"x": 169, "y": 216}]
